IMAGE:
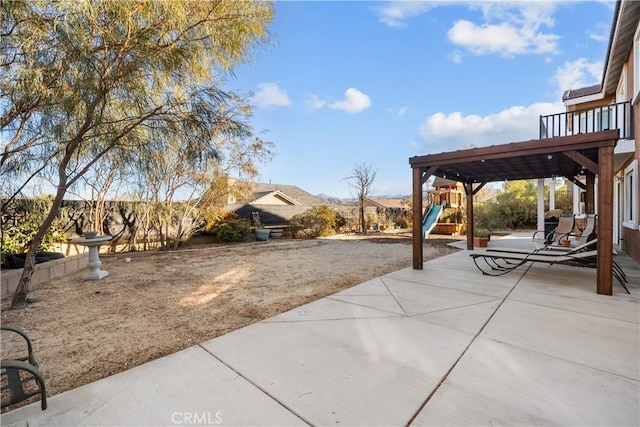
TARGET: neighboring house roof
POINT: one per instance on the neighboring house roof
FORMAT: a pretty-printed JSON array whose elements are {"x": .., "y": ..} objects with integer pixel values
[
  {"x": 584, "y": 91},
  {"x": 289, "y": 193},
  {"x": 276, "y": 204},
  {"x": 389, "y": 203}
]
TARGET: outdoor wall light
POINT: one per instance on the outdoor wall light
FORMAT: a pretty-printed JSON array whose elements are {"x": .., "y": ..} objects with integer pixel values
[{"x": 549, "y": 156}]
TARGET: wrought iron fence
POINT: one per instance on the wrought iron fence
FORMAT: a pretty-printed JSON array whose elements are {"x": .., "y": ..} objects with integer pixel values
[
  {"x": 563, "y": 200},
  {"x": 607, "y": 117}
]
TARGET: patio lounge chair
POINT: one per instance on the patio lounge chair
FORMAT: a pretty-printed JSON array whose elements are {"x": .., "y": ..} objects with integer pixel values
[
  {"x": 564, "y": 228},
  {"x": 550, "y": 249},
  {"x": 21, "y": 378},
  {"x": 503, "y": 262},
  {"x": 585, "y": 234}
]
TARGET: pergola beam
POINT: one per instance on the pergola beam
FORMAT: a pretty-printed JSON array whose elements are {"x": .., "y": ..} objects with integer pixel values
[
  {"x": 527, "y": 148},
  {"x": 582, "y": 160},
  {"x": 478, "y": 188},
  {"x": 577, "y": 182},
  {"x": 428, "y": 174}
]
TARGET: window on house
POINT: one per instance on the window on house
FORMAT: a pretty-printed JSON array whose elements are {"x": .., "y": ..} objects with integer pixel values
[
  {"x": 605, "y": 118},
  {"x": 621, "y": 91},
  {"x": 630, "y": 206}
]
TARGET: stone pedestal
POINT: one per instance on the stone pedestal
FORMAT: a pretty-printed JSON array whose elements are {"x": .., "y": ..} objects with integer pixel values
[{"x": 94, "y": 259}]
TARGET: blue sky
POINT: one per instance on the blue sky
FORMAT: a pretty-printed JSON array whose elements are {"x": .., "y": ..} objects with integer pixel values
[{"x": 377, "y": 82}]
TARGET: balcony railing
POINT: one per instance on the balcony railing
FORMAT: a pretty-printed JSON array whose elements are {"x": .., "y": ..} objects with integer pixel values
[{"x": 612, "y": 116}]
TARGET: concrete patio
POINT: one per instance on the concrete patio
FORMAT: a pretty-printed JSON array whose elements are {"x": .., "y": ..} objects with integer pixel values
[{"x": 441, "y": 346}]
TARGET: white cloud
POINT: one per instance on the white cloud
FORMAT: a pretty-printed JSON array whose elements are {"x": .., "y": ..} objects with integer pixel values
[
  {"x": 455, "y": 56},
  {"x": 397, "y": 113},
  {"x": 271, "y": 95},
  {"x": 509, "y": 29},
  {"x": 355, "y": 102},
  {"x": 577, "y": 74},
  {"x": 486, "y": 39},
  {"x": 504, "y": 39},
  {"x": 314, "y": 102},
  {"x": 454, "y": 131},
  {"x": 600, "y": 33},
  {"x": 396, "y": 13}
]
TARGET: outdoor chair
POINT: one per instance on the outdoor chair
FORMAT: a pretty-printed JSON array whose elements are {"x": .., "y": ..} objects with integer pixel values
[
  {"x": 500, "y": 263},
  {"x": 550, "y": 250},
  {"x": 21, "y": 378},
  {"x": 587, "y": 232},
  {"x": 564, "y": 228}
]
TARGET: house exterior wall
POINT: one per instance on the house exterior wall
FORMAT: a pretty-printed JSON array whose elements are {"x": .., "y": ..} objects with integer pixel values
[
  {"x": 270, "y": 215},
  {"x": 592, "y": 104},
  {"x": 631, "y": 237},
  {"x": 607, "y": 100},
  {"x": 629, "y": 231},
  {"x": 272, "y": 200}
]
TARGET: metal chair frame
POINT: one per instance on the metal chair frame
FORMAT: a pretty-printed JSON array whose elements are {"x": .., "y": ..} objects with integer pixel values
[{"x": 15, "y": 382}]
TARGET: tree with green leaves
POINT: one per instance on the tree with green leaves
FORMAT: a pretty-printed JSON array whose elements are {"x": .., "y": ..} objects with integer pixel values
[{"x": 86, "y": 79}]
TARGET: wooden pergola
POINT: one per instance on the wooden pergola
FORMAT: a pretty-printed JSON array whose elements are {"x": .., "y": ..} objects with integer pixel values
[{"x": 588, "y": 154}]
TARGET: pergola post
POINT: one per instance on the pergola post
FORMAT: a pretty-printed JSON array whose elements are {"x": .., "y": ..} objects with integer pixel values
[
  {"x": 605, "y": 220},
  {"x": 468, "y": 188},
  {"x": 540, "y": 203},
  {"x": 417, "y": 219},
  {"x": 589, "y": 202}
]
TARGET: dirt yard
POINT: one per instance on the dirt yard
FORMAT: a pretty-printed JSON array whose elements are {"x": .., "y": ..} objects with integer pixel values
[{"x": 162, "y": 302}]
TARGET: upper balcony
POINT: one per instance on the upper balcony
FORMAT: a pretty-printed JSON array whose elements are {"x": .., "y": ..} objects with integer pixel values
[{"x": 612, "y": 116}]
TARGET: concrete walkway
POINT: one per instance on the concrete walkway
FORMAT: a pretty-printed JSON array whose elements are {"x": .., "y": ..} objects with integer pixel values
[{"x": 442, "y": 346}]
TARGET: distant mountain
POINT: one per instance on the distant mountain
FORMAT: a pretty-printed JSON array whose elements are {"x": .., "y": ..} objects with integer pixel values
[{"x": 331, "y": 200}]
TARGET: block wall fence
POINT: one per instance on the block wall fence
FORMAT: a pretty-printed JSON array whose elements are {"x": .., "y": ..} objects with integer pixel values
[{"x": 44, "y": 271}]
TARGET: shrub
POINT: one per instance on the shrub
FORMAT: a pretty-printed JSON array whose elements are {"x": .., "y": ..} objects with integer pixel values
[
  {"x": 371, "y": 219},
  {"x": 318, "y": 221},
  {"x": 213, "y": 218},
  {"x": 404, "y": 220},
  {"x": 481, "y": 232},
  {"x": 234, "y": 230},
  {"x": 18, "y": 232},
  {"x": 340, "y": 221},
  {"x": 513, "y": 214}
]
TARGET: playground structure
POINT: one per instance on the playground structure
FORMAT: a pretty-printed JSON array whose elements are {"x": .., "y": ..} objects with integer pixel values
[
  {"x": 448, "y": 198},
  {"x": 431, "y": 218}
]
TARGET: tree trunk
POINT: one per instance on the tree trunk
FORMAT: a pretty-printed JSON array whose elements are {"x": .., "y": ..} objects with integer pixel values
[
  {"x": 363, "y": 222},
  {"x": 176, "y": 243},
  {"x": 20, "y": 297}
]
